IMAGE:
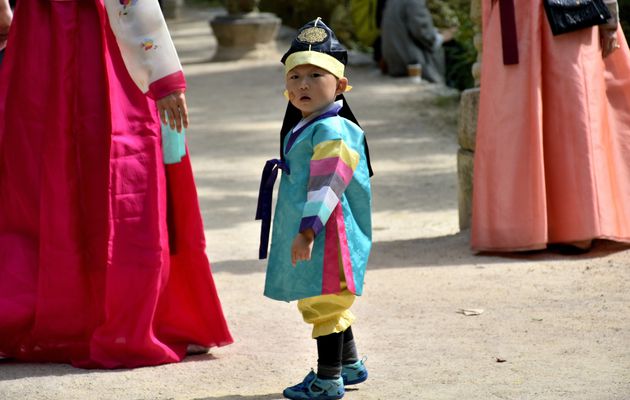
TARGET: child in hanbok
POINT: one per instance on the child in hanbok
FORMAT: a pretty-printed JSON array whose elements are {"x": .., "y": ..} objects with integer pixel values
[{"x": 322, "y": 231}]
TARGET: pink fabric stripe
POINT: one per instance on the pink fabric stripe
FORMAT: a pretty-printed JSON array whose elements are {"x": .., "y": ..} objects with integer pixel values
[
  {"x": 336, "y": 241},
  {"x": 167, "y": 85},
  {"x": 345, "y": 251},
  {"x": 328, "y": 166},
  {"x": 330, "y": 276}
]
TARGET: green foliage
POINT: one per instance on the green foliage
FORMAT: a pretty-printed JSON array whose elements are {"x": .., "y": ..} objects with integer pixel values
[
  {"x": 341, "y": 22},
  {"x": 296, "y": 13},
  {"x": 460, "y": 52},
  {"x": 444, "y": 12},
  {"x": 335, "y": 13}
]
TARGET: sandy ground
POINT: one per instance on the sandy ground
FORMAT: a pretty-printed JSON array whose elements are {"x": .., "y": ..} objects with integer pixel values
[{"x": 552, "y": 327}]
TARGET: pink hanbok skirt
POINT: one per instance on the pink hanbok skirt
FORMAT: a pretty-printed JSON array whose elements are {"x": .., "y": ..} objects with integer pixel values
[
  {"x": 552, "y": 158},
  {"x": 102, "y": 249}
]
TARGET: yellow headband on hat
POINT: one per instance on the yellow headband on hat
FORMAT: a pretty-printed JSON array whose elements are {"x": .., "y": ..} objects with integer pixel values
[{"x": 322, "y": 60}]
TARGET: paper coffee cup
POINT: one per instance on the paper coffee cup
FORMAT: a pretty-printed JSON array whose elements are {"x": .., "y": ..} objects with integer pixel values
[{"x": 414, "y": 71}]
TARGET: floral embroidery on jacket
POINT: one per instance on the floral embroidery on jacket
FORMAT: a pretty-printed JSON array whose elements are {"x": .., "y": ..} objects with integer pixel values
[
  {"x": 126, "y": 5},
  {"x": 148, "y": 44}
]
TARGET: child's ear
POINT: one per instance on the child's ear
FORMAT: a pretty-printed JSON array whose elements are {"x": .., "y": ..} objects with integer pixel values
[{"x": 342, "y": 84}]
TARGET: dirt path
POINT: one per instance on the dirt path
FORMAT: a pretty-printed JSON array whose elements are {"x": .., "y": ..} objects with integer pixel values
[{"x": 559, "y": 323}]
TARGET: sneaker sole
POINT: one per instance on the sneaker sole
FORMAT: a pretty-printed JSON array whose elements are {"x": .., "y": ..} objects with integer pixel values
[{"x": 317, "y": 398}]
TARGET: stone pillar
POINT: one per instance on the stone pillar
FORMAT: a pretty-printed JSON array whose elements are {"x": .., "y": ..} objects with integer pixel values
[{"x": 469, "y": 106}]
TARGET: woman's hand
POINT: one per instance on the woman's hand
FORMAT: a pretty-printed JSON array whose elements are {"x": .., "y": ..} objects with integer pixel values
[
  {"x": 5, "y": 22},
  {"x": 608, "y": 31},
  {"x": 173, "y": 110},
  {"x": 608, "y": 40},
  {"x": 302, "y": 246}
]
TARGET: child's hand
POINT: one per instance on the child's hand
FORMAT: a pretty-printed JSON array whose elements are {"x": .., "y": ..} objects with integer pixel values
[{"x": 302, "y": 246}]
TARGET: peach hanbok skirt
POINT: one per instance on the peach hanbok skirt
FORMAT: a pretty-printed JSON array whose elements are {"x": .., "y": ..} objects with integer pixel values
[{"x": 552, "y": 158}]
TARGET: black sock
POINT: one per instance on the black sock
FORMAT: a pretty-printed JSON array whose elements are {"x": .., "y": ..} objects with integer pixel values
[
  {"x": 329, "y": 350},
  {"x": 349, "y": 353}
]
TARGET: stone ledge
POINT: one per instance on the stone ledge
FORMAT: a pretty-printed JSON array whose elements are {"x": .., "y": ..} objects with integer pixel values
[
  {"x": 467, "y": 126},
  {"x": 465, "y": 161}
]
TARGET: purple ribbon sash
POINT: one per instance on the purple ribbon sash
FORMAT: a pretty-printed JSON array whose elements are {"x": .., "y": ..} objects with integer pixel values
[{"x": 265, "y": 199}]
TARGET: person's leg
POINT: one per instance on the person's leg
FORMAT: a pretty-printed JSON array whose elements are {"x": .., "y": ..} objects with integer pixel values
[
  {"x": 327, "y": 382},
  {"x": 329, "y": 354},
  {"x": 353, "y": 369},
  {"x": 330, "y": 316},
  {"x": 349, "y": 353}
]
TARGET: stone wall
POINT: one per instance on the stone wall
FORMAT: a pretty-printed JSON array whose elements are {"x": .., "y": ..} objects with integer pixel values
[{"x": 469, "y": 105}]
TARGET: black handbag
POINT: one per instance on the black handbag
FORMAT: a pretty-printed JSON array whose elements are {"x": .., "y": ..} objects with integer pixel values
[{"x": 571, "y": 15}]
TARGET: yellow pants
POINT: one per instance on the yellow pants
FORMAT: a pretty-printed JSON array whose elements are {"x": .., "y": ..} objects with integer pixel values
[{"x": 329, "y": 313}]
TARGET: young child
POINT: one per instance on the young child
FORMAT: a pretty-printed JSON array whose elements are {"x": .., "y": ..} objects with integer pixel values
[{"x": 322, "y": 230}]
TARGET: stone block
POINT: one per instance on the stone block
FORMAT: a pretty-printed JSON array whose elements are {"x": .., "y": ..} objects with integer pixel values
[
  {"x": 467, "y": 126},
  {"x": 465, "y": 160}
]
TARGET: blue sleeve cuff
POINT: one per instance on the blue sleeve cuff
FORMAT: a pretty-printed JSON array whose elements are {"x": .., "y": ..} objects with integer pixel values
[{"x": 313, "y": 223}]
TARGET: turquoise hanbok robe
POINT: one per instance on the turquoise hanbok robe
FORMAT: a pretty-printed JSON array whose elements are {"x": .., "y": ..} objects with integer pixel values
[{"x": 327, "y": 189}]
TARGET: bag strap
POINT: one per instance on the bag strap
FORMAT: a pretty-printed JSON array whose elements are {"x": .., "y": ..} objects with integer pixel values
[{"x": 508, "y": 32}]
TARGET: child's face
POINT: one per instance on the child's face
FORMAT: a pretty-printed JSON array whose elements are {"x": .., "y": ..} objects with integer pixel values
[{"x": 312, "y": 88}]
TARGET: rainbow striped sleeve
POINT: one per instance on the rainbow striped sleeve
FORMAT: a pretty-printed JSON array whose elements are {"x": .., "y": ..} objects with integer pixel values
[{"x": 332, "y": 166}]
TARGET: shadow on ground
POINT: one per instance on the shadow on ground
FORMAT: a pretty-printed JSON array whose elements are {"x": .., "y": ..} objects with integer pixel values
[
  {"x": 14, "y": 370},
  {"x": 252, "y": 397},
  {"x": 442, "y": 251}
]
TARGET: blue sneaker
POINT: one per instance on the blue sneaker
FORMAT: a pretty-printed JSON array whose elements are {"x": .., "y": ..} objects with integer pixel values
[
  {"x": 313, "y": 387},
  {"x": 354, "y": 373}
]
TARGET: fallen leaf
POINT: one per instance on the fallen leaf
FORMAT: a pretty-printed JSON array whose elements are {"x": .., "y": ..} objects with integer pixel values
[{"x": 470, "y": 311}]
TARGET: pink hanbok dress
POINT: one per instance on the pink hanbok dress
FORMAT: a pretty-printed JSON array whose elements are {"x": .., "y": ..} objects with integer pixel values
[
  {"x": 552, "y": 158},
  {"x": 102, "y": 249}
]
